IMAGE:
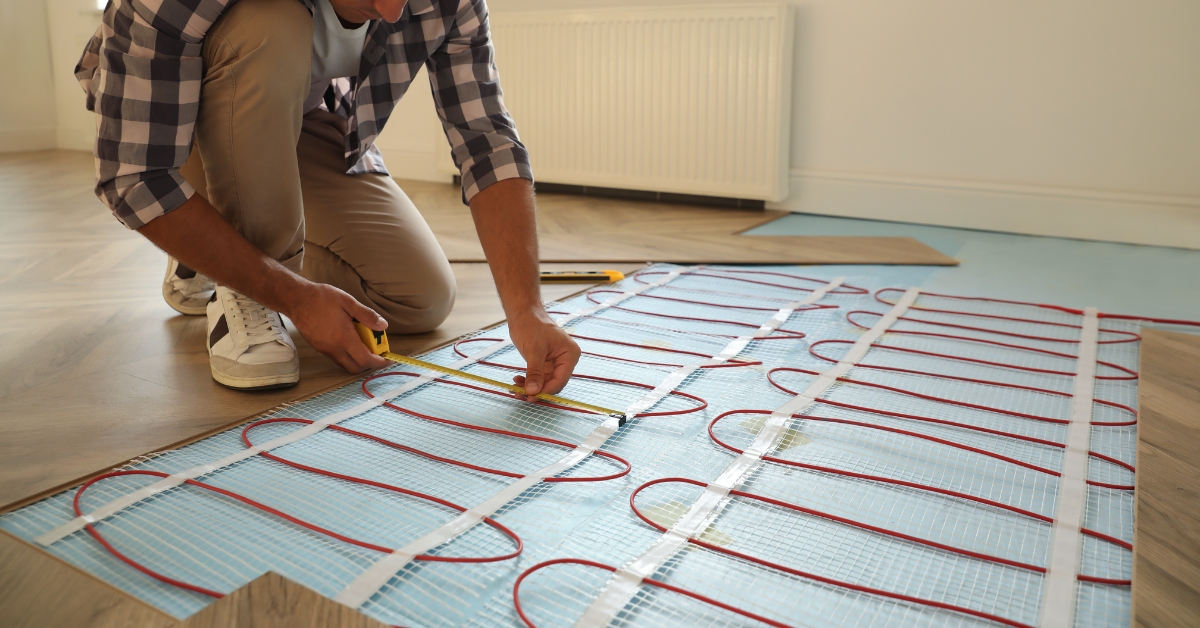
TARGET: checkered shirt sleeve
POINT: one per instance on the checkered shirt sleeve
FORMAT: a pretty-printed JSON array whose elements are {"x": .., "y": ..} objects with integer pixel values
[
  {"x": 466, "y": 89},
  {"x": 142, "y": 73}
]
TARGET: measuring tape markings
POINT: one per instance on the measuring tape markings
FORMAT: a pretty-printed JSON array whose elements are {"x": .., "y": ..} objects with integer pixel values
[
  {"x": 513, "y": 388},
  {"x": 623, "y": 585}
]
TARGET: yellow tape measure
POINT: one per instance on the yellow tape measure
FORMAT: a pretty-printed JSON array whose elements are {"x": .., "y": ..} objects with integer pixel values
[
  {"x": 581, "y": 276},
  {"x": 377, "y": 342}
]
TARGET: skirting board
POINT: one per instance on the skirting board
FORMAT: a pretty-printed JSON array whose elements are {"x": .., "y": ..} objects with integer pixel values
[
  {"x": 1060, "y": 212},
  {"x": 18, "y": 140}
]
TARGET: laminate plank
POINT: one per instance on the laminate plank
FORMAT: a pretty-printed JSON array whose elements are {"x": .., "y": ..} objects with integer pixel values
[
  {"x": 272, "y": 601},
  {"x": 1166, "y": 548},
  {"x": 39, "y": 590}
]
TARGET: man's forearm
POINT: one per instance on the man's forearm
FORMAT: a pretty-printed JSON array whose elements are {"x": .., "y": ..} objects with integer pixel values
[
  {"x": 196, "y": 235},
  {"x": 506, "y": 219}
]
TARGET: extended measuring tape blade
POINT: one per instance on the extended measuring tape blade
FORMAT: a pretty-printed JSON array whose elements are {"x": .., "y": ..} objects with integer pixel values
[
  {"x": 513, "y": 388},
  {"x": 377, "y": 342}
]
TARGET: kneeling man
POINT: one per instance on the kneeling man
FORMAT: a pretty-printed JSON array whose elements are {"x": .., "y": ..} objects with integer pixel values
[{"x": 238, "y": 136}]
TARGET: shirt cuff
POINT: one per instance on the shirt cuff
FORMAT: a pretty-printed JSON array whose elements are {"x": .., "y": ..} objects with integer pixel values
[
  {"x": 507, "y": 163},
  {"x": 137, "y": 199}
]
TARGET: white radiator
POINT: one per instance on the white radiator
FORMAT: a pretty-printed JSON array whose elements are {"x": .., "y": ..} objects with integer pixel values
[{"x": 682, "y": 99}]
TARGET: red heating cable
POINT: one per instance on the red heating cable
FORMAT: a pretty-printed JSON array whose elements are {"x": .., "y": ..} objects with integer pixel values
[
  {"x": 1129, "y": 373},
  {"x": 966, "y": 404},
  {"x": 300, "y": 522},
  {"x": 623, "y": 382},
  {"x": 613, "y": 321},
  {"x": 707, "y": 272},
  {"x": 424, "y": 454},
  {"x": 934, "y": 439},
  {"x": 968, "y": 426},
  {"x": 787, "y": 333},
  {"x": 649, "y": 581},
  {"x": 729, "y": 306},
  {"x": 946, "y": 376},
  {"x": 1045, "y": 306},
  {"x": 733, "y": 362},
  {"x": 1131, "y": 337},
  {"x": 898, "y": 482},
  {"x": 831, "y": 517},
  {"x": 808, "y": 575},
  {"x": 703, "y": 403}
]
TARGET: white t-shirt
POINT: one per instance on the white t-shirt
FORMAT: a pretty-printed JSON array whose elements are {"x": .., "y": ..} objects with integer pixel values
[{"x": 337, "y": 51}]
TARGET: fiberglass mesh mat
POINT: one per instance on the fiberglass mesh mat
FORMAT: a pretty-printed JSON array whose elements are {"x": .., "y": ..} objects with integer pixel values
[{"x": 916, "y": 490}]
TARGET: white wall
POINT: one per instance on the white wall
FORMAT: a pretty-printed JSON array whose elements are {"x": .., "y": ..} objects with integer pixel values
[
  {"x": 72, "y": 23},
  {"x": 27, "y": 116},
  {"x": 1077, "y": 118}
]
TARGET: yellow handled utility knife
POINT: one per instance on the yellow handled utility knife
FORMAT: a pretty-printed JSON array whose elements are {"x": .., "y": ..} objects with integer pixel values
[{"x": 377, "y": 342}]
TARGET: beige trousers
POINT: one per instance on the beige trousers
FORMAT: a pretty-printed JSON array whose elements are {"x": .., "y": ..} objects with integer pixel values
[{"x": 279, "y": 176}]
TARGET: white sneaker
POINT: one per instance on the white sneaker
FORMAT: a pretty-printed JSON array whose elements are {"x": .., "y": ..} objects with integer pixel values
[
  {"x": 248, "y": 346},
  {"x": 185, "y": 289}
]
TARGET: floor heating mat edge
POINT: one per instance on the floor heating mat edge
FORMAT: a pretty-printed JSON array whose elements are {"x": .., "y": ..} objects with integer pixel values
[{"x": 806, "y": 450}]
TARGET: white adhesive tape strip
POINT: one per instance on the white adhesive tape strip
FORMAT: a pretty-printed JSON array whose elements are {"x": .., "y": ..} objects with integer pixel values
[
  {"x": 731, "y": 350},
  {"x": 1059, "y": 592},
  {"x": 125, "y": 501},
  {"x": 377, "y": 575},
  {"x": 669, "y": 384},
  {"x": 621, "y": 588},
  {"x": 625, "y": 581}
]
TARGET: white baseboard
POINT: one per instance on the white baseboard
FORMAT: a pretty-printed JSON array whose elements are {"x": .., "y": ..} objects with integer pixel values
[
  {"x": 1062, "y": 212},
  {"x": 412, "y": 164},
  {"x": 19, "y": 140}
]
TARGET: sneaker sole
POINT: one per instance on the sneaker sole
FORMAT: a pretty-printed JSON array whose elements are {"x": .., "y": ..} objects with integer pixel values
[
  {"x": 255, "y": 383},
  {"x": 170, "y": 296},
  {"x": 169, "y": 293}
]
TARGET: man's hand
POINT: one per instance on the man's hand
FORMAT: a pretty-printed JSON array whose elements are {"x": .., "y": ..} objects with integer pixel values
[
  {"x": 196, "y": 235},
  {"x": 325, "y": 317},
  {"x": 550, "y": 354},
  {"x": 506, "y": 219}
]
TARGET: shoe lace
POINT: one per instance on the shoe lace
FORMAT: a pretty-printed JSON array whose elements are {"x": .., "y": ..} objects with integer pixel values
[{"x": 258, "y": 322}]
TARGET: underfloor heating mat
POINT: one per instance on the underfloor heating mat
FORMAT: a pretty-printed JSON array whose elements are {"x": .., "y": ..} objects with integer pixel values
[{"x": 802, "y": 450}]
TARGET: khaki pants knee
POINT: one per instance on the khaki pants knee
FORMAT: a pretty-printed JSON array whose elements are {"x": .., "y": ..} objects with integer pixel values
[{"x": 366, "y": 237}]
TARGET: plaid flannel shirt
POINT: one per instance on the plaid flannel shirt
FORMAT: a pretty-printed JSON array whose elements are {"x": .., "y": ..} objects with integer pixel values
[{"x": 142, "y": 72}]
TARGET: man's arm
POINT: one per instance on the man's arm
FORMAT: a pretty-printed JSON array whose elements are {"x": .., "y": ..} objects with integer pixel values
[
  {"x": 506, "y": 219},
  {"x": 196, "y": 235}
]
